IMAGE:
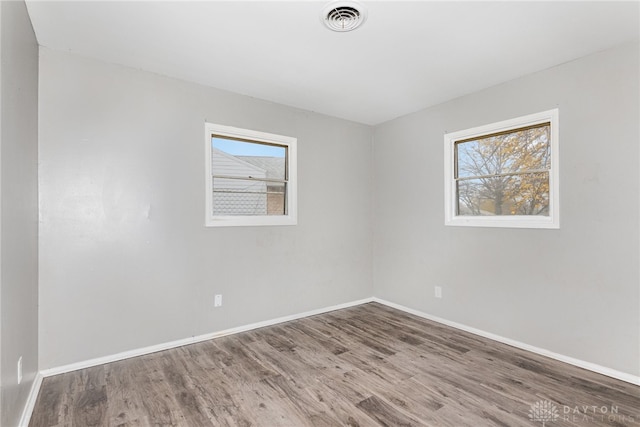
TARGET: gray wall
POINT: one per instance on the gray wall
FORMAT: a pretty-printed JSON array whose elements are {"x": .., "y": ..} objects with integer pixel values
[
  {"x": 125, "y": 260},
  {"x": 574, "y": 291},
  {"x": 19, "y": 211}
]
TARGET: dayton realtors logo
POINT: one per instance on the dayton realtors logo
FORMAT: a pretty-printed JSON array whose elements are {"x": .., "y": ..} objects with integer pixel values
[{"x": 543, "y": 412}]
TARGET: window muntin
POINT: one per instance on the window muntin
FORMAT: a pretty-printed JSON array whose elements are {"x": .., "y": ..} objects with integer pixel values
[
  {"x": 504, "y": 174},
  {"x": 250, "y": 177}
]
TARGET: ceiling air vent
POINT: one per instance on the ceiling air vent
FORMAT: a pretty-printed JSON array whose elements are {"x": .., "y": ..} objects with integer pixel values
[{"x": 343, "y": 15}]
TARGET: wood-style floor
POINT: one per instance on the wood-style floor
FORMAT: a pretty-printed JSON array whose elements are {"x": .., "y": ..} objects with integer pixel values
[{"x": 368, "y": 365}]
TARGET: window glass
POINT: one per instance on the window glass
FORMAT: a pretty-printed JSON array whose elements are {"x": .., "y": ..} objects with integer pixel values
[
  {"x": 250, "y": 176},
  {"x": 504, "y": 174}
]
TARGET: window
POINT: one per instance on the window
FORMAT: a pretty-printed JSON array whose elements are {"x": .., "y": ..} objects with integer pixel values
[
  {"x": 504, "y": 174},
  {"x": 251, "y": 177}
]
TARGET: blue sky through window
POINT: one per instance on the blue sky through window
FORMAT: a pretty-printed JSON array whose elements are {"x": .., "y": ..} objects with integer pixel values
[{"x": 241, "y": 148}]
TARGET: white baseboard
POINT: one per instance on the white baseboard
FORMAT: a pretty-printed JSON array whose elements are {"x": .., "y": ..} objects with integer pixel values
[
  {"x": 192, "y": 340},
  {"x": 623, "y": 376},
  {"x": 31, "y": 401},
  {"x": 173, "y": 344}
]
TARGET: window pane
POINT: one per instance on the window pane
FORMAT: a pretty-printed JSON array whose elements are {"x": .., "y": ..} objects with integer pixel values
[
  {"x": 526, "y": 194},
  {"x": 251, "y": 178},
  {"x": 248, "y": 197},
  {"x": 514, "y": 151},
  {"x": 248, "y": 159}
]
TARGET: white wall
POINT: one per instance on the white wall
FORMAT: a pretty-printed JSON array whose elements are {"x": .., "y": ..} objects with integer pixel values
[
  {"x": 19, "y": 211},
  {"x": 574, "y": 291},
  {"x": 125, "y": 259}
]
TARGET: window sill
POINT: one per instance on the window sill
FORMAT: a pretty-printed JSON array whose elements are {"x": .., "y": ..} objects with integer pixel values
[
  {"x": 514, "y": 221},
  {"x": 243, "y": 221}
]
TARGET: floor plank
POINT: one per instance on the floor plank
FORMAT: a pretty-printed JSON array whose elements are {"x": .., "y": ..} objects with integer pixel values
[{"x": 369, "y": 365}]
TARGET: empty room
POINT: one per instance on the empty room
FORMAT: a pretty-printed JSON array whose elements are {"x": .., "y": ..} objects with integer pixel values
[{"x": 319, "y": 213}]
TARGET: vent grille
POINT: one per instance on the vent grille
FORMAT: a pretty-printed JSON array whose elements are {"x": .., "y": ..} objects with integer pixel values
[{"x": 343, "y": 16}]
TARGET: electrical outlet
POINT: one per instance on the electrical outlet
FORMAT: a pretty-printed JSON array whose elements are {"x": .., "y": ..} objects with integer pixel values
[
  {"x": 20, "y": 370},
  {"x": 217, "y": 301},
  {"x": 438, "y": 291}
]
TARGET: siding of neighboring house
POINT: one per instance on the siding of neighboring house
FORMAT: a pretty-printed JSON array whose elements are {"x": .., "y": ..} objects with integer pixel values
[
  {"x": 234, "y": 196},
  {"x": 275, "y": 169}
]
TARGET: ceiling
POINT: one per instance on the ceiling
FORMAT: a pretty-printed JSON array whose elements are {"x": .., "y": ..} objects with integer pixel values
[{"x": 407, "y": 55}]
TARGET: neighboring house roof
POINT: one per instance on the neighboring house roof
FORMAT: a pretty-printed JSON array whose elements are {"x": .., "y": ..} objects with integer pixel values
[
  {"x": 241, "y": 203},
  {"x": 225, "y": 163},
  {"x": 273, "y": 165}
]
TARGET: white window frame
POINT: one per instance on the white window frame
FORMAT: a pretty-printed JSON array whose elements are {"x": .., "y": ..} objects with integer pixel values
[
  {"x": 291, "y": 217},
  {"x": 503, "y": 221}
]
